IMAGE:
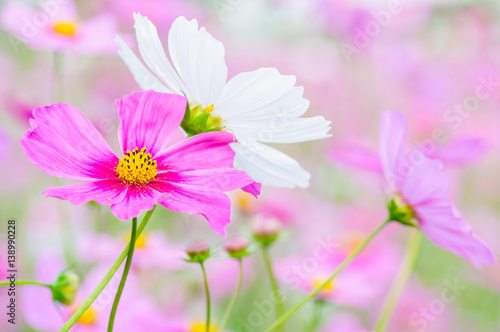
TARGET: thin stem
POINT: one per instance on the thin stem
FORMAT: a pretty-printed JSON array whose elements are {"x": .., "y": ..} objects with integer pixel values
[
  {"x": 318, "y": 289},
  {"x": 398, "y": 285},
  {"x": 88, "y": 302},
  {"x": 274, "y": 283},
  {"x": 23, "y": 282},
  {"x": 207, "y": 295},
  {"x": 318, "y": 306},
  {"x": 230, "y": 306},
  {"x": 126, "y": 269}
]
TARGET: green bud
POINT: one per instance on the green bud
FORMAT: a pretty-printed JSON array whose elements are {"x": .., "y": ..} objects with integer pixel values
[
  {"x": 266, "y": 231},
  {"x": 198, "y": 120},
  {"x": 238, "y": 247},
  {"x": 401, "y": 212},
  {"x": 198, "y": 251},
  {"x": 65, "y": 286}
]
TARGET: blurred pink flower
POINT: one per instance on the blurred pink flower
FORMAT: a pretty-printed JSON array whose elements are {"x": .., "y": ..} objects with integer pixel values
[
  {"x": 419, "y": 185},
  {"x": 5, "y": 145},
  {"x": 190, "y": 176},
  {"x": 137, "y": 312},
  {"x": 56, "y": 26},
  {"x": 152, "y": 250},
  {"x": 458, "y": 152}
]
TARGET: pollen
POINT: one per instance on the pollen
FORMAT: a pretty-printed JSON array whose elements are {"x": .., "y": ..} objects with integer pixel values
[
  {"x": 65, "y": 28},
  {"x": 140, "y": 242},
  {"x": 136, "y": 166},
  {"x": 202, "y": 327},
  {"x": 329, "y": 287},
  {"x": 88, "y": 317},
  {"x": 209, "y": 109}
]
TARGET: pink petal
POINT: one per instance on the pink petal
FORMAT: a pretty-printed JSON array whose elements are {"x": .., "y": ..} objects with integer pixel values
[
  {"x": 105, "y": 192},
  {"x": 253, "y": 188},
  {"x": 96, "y": 35},
  {"x": 443, "y": 224},
  {"x": 425, "y": 181},
  {"x": 63, "y": 143},
  {"x": 148, "y": 119},
  {"x": 393, "y": 133},
  {"x": 202, "y": 151},
  {"x": 462, "y": 151},
  {"x": 139, "y": 197},
  {"x": 222, "y": 179},
  {"x": 357, "y": 157},
  {"x": 211, "y": 203}
]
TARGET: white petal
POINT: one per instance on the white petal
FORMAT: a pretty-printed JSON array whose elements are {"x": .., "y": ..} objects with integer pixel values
[
  {"x": 261, "y": 94},
  {"x": 143, "y": 77},
  {"x": 199, "y": 59},
  {"x": 280, "y": 129},
  {"x": 269, "y": 166},
  {"x": 154, "y": 56}
]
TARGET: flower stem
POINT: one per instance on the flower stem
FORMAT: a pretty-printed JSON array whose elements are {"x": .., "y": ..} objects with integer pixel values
[
  {"x": 207, "y": 295},
  {"x": 315, "y": 292},
  {"x": 318, "y": 305},
  {"x": 274, "y": 283},
  {"x": 230, "y": 306},
  {"x": 86, "y": 304},
  {"x": 401, "y": 279},
  {"x": 126, "y": 269},
  {"x": 23, "y": 282}
]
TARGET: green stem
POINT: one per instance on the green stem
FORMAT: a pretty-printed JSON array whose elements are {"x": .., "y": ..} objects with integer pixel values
[
  {"x": 23, "y": 282},
  {"x": 230, "y": 306},
  {"x": 398, "y": 285},
  {"x": 207, "y": 295},
  {"x": 126, "y": 269},
  {"x": 274, "y": 283},
  {"x": 86, "y": 304},
  {"x": 318, "y": 305},
  {"x": 318, "y": 289}
]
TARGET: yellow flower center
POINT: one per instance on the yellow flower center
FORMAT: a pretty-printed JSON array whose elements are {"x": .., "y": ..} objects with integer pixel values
[
  {"x": 136, "y": 166},
  {"x": 201, "y": 327},
  {"x": 329, "y": 287},
  {"x": 65, "y": 28},
  {"x": 140, "y": 242},
  {"x": 209, "y": 108},
  {"x": 88, "y": 316}
]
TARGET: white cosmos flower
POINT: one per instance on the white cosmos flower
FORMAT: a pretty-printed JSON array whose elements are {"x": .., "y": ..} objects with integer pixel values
[{"x": 260, "y": 106}]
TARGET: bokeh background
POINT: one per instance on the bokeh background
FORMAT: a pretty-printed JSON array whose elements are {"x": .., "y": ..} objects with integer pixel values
[{"x": 355, "y": 59}]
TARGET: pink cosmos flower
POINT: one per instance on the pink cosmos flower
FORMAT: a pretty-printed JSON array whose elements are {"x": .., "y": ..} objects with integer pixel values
[
  {"x": 418, "y": 185},
  {"x": 57, "y": 27},
  {"x": 190, "y": 176}
]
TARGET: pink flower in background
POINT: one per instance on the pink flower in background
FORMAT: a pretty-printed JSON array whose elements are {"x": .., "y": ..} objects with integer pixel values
[
  {"x": 190, "y": 176},
  {"x": 152, "y": 250},
  {"x": 419, "y": 185},
  {"x": 458, "y": 152},
  {"x": 56, "y": 26},
  {"x": 137, "y": 311},
  {"x": 5, "y": 145}
]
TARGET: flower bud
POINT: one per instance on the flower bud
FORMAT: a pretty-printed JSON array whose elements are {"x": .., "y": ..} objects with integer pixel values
[
  {"x": 198, "y": 251},
  {"x": 237, "y": 247},
  {"x": 65, "y": 286},
  {"x": 400, "y": 211},
  {"x": 266, "y": 230}
]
